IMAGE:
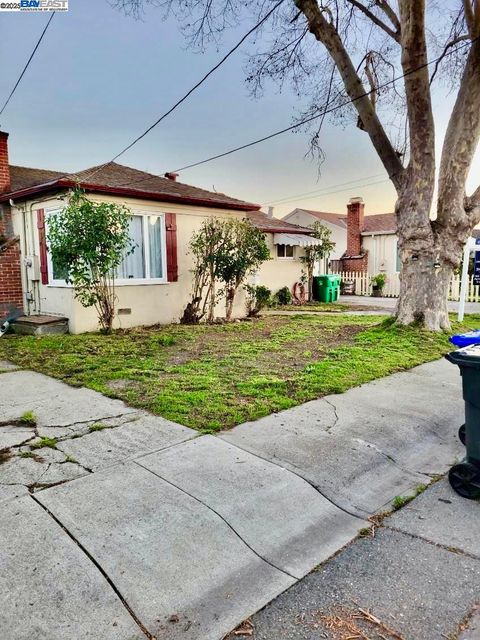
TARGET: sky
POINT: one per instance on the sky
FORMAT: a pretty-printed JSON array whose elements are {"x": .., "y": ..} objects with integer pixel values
[{"x": 100, "y": 78}]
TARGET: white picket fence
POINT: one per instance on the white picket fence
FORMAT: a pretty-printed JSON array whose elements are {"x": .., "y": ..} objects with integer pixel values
[{"x": 363, "y": 286}]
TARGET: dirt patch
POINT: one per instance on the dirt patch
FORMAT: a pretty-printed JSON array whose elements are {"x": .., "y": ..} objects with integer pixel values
[
  {"x": 350, "y": 624},
  {"x": 5, "y": 456},
  {"x": 121, "y": 384}
]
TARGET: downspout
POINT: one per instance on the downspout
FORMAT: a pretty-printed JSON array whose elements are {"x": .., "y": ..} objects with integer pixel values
[{"x": 24, "y": 250}]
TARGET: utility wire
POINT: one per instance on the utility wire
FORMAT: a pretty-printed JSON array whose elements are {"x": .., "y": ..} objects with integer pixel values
[
  {"x": 323, "y": 113},
  {"x": 28, "y": 63},
  {"x": 320, "y": 191},
  {"x": 190, "y": 91}
]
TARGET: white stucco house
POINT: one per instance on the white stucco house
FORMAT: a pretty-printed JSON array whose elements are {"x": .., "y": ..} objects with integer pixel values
[
  {"x": 362, "y": 242},
  {"x": 154, "y": 283}
]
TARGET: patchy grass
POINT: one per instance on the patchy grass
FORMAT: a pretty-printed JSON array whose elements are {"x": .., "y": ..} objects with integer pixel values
[
  {"x": 213, "y": 377},
  {"x": 323, "y": 307},
  {"x": 29, "y": 419},
  {"x": 44, "y": 441},
  {"x": 400, "y": 501},
  {"x": 99, "y": 426}
]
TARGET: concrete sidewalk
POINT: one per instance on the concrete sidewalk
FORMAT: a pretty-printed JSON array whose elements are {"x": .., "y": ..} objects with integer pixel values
[
  {"x": 419, "y": 576},
  {"x": 133, "y": 526}
]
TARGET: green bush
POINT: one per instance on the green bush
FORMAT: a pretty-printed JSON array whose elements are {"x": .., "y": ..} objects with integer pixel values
[
  {"x": 258, "y": 297},
  {"x": 283, "y": 296},
  {"x": 379, "y": 281}
]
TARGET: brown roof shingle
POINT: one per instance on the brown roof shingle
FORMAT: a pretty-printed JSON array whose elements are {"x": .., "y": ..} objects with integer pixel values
[
  {"x": 120, "y": 179},
  {"x": 274, "y": 225},
  {"x": 380, "y": 223},
  {"x": 26, "y": 177},
  {"x": 339, "y": 219}
]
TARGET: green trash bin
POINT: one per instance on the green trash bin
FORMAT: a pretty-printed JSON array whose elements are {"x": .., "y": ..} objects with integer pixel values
[{"x": 326, "y": 288}]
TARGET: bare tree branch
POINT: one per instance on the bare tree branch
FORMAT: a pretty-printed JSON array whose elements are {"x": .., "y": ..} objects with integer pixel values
[
  {"x": 375, "y": 19},
  {"x": 326, "y": 33},
  {"x": 390, "y": 13},
  {"x": 417, "y": 87},
  {"x": 448, "y": 46},
  {"x": 469, "y": 17},
  {"x": 473, "y": 202},
  {"x": 460, "y": 144}
]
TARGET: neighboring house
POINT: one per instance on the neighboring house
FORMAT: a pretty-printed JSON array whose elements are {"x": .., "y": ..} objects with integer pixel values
[
  {"x": 363, "y": 243},
  {"x": 155, "y": 281}
]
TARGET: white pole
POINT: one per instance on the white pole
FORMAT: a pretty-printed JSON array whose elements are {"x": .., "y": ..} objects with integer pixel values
[{"x": 469, "y": 247}]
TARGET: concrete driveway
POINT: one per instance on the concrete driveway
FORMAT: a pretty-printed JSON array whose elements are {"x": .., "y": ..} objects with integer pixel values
[{"x": 130, "y": 526}]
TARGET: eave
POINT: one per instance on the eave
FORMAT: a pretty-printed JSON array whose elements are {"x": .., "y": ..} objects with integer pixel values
[{"x": 23, "y": 194}]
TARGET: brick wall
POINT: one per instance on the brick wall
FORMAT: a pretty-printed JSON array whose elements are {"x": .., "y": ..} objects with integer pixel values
[
  {"x": 357, "y": 263},
  {"x": 10, "y": 259}
]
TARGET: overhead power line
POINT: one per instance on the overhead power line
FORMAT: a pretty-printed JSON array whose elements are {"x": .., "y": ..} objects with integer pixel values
[
  {"x": 320, "y": 191},
  {"x": 28, "y": 63},
  {"x": 194, "y": 88},
  {"x": 324, "y": 112}
]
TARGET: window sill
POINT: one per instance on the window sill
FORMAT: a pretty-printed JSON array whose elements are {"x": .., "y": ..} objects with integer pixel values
[{"x": 118, "y": 283}]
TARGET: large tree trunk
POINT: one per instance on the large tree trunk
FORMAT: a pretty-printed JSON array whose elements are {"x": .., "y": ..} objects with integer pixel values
[
  {"x": 429, "y": 253},
  {"x": 424, "y": 292}
]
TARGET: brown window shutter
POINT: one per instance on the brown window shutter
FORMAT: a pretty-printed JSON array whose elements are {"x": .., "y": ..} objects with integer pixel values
[
  {"x": 171, "y": 242},
  {"x": 43, "y": 245}
]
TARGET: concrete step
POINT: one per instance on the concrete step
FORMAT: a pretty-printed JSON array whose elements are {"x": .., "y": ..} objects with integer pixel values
[{"x": 38, "y": 325}]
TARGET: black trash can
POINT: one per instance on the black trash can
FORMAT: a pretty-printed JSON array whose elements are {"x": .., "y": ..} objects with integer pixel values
[{"x": 465, "y": 476}]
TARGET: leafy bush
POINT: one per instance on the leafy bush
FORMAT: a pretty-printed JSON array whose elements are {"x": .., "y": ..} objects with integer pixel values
[
  {"x": 379, "y": 281},
  {"x": 225, "y": 253},
  {"x": 283, "y": 296},
  {"x": 258, "y": 297},
  {"x": 88, "y": 241}
]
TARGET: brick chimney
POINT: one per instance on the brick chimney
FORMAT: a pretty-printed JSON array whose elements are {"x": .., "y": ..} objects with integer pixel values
[
  {"x": 355, "y": 216},
  {"x": 4, "y": 166}
]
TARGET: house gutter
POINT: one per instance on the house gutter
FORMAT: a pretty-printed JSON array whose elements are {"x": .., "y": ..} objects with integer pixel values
[{"x": 135, "y": 193}]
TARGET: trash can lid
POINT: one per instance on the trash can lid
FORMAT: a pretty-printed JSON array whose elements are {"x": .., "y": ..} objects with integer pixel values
[
  {"x": 466, "y": 357},
  {"x": 466, "y": 339}
]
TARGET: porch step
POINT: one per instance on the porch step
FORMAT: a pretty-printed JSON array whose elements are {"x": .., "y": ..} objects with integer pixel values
[{"x": 40, "y": 325}]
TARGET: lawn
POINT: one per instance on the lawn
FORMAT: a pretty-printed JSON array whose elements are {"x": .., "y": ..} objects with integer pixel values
[{"x": 214, "y": 377}]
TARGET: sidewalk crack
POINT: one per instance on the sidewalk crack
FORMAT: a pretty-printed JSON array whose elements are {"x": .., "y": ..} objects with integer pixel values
[
  {"x": 109, "y": 580},
  {"x": 290, "y": 575}
]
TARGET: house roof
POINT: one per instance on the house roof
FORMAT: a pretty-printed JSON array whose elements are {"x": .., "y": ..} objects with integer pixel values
[
  {"x": 380, "y": 223},
  {"x": 340, "y": 219},
  {"x": 274, "y": 225},
  {"x": 118, "y": 179}
]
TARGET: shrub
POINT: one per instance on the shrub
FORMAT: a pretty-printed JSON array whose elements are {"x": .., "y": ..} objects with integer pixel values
[
  {"x": 283, "y": 296},
  {"x": 379, "y": 281},
  {"x": 88, "y": 241},
  {"x": 258, "y": 297}
]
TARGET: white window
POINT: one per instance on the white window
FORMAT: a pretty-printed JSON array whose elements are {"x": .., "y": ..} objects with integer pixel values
[
  {"x": 147, "y": 263},
  {"x": 285, "y": 251}
]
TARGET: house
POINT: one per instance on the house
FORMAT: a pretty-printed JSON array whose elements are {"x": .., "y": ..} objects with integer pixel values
[
  {"x": 155, "y": 281},
  {"x": 363, "y": 242}
]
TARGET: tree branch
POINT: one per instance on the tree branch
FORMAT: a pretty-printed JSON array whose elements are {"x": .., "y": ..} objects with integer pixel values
[
  {"x": 472, "y": 206},
  {"x": 417, "y": 89},
  {"x": 375, "y": 19},
  {"x": 444, "y": 53},
  {"x": 390, "y": 13},
  {"x": 461, "y": 141},
  {"x": 326, "y": 34}
]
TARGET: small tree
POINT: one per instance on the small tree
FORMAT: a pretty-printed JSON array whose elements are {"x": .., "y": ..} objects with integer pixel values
[
  {"x": 317, "y": 252},
  {"x": 87, "y": 241},
  {"x": 225, "y": 252},
  {"x": 206, "y": 246},
  {"x": 242, "y": 253}
]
